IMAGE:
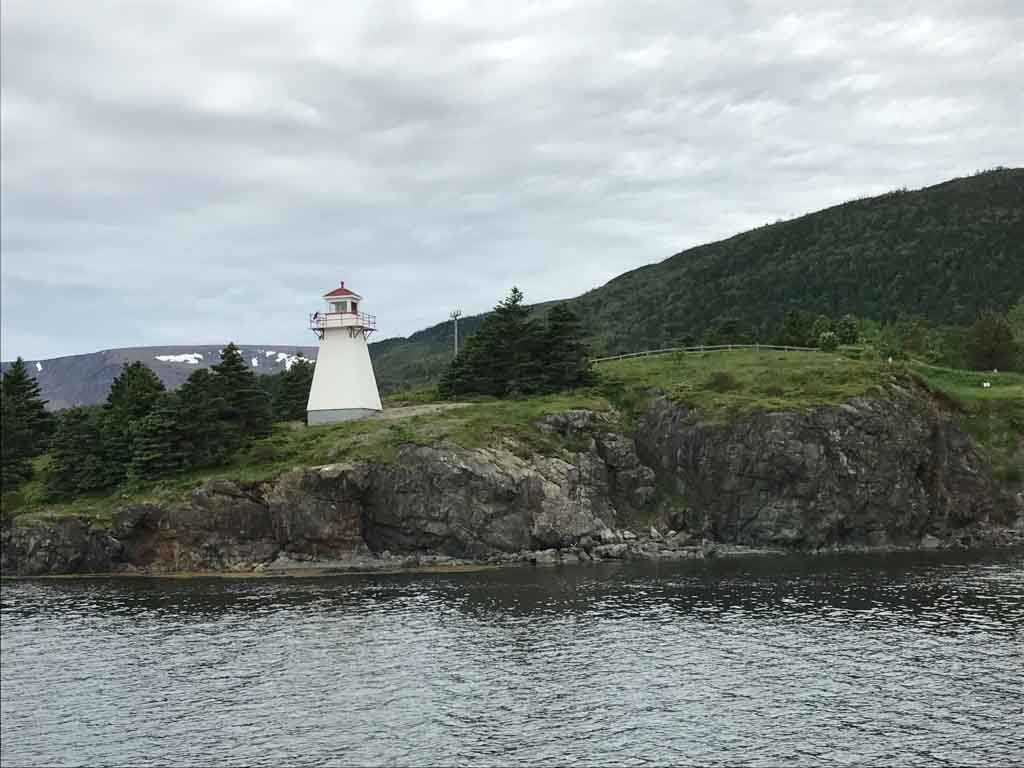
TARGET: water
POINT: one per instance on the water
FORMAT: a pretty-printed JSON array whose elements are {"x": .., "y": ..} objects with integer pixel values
[{"x": 882, "y": 659}]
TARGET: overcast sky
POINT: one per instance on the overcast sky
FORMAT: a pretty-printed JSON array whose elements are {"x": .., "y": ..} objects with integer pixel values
[{"x": 194, "y": 171}]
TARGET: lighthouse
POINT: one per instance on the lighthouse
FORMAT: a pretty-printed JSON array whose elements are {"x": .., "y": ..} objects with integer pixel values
[{"x": 344, "y": 386}]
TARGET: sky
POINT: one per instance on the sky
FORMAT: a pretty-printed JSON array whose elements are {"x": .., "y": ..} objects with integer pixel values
[{"x": 189, "y": 172}]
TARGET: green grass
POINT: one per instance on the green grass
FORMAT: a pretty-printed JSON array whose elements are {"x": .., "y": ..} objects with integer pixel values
[
  {"x": 967, "y": 388},
  {"x": 993, "y": 416},
  {"x": 734, "y": 383}
]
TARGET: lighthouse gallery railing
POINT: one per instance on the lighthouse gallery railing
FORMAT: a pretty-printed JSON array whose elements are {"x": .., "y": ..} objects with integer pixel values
[{"x": 318, "y": 321}]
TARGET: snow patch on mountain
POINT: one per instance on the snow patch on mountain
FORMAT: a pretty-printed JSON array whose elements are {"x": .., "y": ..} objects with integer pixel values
[
  {"x": 191, "y": 358},
  {"x": 39, "y": 366}
]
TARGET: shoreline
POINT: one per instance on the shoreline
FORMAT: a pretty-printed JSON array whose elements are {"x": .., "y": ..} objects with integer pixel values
[{"x": 363, "y": 567}]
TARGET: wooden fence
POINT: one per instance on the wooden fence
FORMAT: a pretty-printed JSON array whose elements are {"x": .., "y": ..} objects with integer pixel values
[{"x": 704, "y": 348}]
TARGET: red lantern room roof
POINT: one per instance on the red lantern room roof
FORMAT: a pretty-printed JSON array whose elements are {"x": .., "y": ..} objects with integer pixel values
[{"x": 340, "y": 291}]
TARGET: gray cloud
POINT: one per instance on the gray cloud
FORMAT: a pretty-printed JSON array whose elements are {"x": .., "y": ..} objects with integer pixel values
[{"x": 190, "y": 172}]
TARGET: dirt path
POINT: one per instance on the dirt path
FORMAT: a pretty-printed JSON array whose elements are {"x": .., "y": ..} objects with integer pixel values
[{"x": 405, "y": 411}]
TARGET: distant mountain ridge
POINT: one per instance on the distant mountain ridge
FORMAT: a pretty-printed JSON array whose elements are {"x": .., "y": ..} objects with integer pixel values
[
  {"x": 85, "y": 379},
  {"x": 944, "y": 252}
]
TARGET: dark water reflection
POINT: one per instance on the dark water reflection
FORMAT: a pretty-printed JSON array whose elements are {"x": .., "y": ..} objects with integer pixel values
[{"x": 881, "y": 659}]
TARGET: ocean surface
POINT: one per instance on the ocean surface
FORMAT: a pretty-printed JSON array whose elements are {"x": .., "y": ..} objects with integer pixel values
[{"x": 899, "y": 659}]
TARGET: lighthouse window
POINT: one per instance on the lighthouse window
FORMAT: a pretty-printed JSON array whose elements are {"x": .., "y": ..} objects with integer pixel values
[{"x": 355, "y": 306}]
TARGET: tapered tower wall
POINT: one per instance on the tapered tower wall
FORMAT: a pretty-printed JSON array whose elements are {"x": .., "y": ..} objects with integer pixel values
[{"x": 344, "y": 386}]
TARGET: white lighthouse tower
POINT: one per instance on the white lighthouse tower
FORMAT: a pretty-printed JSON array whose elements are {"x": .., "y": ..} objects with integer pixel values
[{"x": 344, "y": 386}]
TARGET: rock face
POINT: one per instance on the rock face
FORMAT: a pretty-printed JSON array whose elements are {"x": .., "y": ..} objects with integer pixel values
[{"x": 874, "y": 471}]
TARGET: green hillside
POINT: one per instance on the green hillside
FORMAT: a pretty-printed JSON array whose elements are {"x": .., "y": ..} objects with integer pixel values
[{"x": 943, "y": 252}]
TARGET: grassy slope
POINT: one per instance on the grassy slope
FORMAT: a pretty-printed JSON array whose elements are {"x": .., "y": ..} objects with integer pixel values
[
  {"x": 755, "y": 381},
  {"x": 993, "y": 416},
  {"x": 944, "y": 252}
]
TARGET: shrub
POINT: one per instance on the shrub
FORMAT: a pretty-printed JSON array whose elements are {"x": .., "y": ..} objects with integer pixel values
[
  {"x": 828, "y": 341},
  {"x": 721, "y": 381}
]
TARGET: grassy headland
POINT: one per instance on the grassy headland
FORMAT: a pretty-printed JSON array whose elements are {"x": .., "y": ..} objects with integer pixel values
[{"x": 722, "y": 385}]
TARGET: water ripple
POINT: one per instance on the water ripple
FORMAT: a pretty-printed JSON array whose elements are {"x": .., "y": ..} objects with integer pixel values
[{"x": 868, "y": 660}]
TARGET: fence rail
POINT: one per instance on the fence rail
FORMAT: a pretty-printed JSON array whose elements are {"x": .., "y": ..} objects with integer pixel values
[{"x": 704, "y": 348}]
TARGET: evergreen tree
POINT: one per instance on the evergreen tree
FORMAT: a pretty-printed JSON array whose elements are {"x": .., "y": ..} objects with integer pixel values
[
  {"x": 292, "y": 395},
  {"x": 991, "y": 344},
  {"x": 132, "y": 397},
  {"x": 247, "y": 404},
  {"x": 566, "y": 358},
  {"x": 500, "y": 358},
  {"x": 135, "y": 391},
  {"x": 76, "y": 453},
  {"x": 513, "y": 354},
  {"x": 208, "y": 436},
  {"x": 26, "y": 424},
  {"x": 846, "y": 330},
  {"x": 157, "y": 445},
  {"x": 15, "y": 437}
]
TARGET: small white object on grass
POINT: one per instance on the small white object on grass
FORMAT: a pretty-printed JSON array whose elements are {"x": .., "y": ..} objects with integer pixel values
[{"x": 986, "y": 384}]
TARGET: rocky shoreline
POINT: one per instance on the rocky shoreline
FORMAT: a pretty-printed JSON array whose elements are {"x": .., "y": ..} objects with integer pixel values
[{"x": 887, "y": 471}]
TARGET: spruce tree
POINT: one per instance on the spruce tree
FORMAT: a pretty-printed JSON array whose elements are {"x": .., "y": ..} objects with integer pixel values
[
  {"x": 208, "y": 436},
  {"x": 27, "y": 425},
  {"x": 76, "y": 453},
  {"x": 133, "y": 394},
  {"x": 292, "y": 395},
  {"x": 496, "y": 359},
  {"x": 15, "y": 436},
  {"x": 566, "y": 358},
  {"x": 247, "y": 404},
  {"x": 513, "y": 354},
  {"x": 157, "y": 448}
]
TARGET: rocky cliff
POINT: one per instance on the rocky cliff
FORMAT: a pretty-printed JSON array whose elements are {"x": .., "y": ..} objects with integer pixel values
[{"x": 886, "y": 470}]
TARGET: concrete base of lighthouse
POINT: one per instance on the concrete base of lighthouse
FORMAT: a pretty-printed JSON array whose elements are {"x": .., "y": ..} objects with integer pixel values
[{"x": 338, "y": 414}]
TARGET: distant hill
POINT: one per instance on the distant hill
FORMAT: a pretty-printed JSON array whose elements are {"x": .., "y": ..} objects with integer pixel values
[
  {"x": 85, "y": 379},
  {"x": 943, "y": 252}
]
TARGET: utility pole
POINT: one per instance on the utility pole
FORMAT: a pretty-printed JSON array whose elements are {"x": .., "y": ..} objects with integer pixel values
[{"x": 455, "y": 322}]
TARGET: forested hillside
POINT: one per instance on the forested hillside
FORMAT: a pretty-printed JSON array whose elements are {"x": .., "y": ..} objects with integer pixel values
[{"x": 943, "y": 253}]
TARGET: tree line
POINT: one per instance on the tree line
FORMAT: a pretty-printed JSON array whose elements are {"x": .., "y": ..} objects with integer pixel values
[{"x": 142, "y": 431}]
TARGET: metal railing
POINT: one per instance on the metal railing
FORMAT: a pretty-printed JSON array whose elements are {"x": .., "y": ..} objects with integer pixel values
[
  {"x": 705, "y": 348},
  {"x": 318, "y": 321}
]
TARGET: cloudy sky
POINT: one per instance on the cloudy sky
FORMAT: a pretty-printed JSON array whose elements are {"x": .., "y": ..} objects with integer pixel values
[{"x": 193, "y": 171}]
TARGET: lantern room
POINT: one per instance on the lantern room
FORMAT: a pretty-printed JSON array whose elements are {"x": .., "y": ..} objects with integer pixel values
[
  {"x": 342, "y": 300},
  {"x": 342, "y": 312}
]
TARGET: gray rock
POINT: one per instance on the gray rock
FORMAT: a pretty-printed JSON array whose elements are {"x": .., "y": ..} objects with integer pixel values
[{"x": 611, "y": 551}]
